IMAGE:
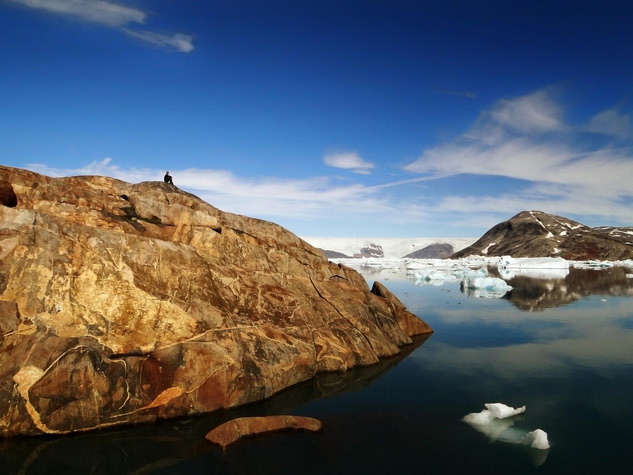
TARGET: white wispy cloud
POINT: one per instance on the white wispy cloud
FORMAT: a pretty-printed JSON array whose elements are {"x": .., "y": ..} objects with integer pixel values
[
  {"x": 349, "y": 161},
  {"x": 610, "y": 122},
  {"x": 531, "y": 114},
  {"x": 268, "y": 197},
  {"x": 114, "y": 15},
  {"x": 526, "y": 139},
  {"x": 98, "y": 11},
  {"x": 177, "y": 41}
]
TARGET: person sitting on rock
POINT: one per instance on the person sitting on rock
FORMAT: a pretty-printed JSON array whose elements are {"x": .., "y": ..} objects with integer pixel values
[{"x": 167, "y": 178}]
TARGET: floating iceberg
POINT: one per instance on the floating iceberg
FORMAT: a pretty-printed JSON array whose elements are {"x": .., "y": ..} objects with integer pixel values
[
  {"x": 592, "y": 264},
  {"x": 433, "y": 277},
  {"x": 508, "y": 262},
  {"x": 444, "y": 275},
  {"x": 493, "y": 428},
  {"x": 496, "y": 423},
  {"x": 428, "y": 270},
  {"x": 537, "y": 439},
  {"x": 471, "y": 273},
  {"x": 484, "y": 287},
  {"x": 501, "y": 411},
  {"x": 533, "y": 267}
]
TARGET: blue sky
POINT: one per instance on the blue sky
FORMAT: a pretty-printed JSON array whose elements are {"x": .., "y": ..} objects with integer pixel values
[{"x": 376, "y": 118}]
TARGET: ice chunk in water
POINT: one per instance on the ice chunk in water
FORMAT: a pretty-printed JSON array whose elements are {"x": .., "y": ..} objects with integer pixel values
[
  {"x": 537, "y": 439},
  {"x": 496, "y": 423},
  {"x": 493, "y": 428},
  {"x": 533, "y": 267},
  {"x": 479, "y": 418},
  {"x": 501, "y": 411},
  {"x": 508, "y": 262},
  {"x": 485, "y": 287}
]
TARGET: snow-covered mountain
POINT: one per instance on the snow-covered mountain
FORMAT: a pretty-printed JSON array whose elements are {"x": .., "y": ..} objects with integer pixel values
[
  {"x": 538, "y": 234},
  {"x": 383, "y": 247}
]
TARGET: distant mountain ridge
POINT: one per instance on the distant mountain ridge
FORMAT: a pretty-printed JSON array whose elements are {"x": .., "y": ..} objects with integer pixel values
[
  {"x": 539, "y": 234},
  {"x": 390, "y": 248},
  {"x": 440, "y": 250}
]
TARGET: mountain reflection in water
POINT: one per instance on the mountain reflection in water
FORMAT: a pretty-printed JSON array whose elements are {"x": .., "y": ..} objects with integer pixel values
[{"x": 535, "y": 295}]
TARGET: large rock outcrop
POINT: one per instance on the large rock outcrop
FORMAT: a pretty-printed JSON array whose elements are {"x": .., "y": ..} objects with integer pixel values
[
  {"x": 538, "y": 234},
  {"x": 123, "y": 303}
]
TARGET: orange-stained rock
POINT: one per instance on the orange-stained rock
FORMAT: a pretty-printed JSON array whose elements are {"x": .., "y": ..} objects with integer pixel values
[
  {"x": 243, "y": 427},
  {"x": 411, "y": 324},
  {"x": 123, "y": 303}
]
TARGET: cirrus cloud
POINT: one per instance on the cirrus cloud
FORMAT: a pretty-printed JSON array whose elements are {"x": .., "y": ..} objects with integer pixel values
[
  {"x": 177, "y": 41},
  {"x": 113, "y": 15},
  {"x": 611, "y": 122},
  {"x": 98, "y": 11},
  {"x": 526, "y": 139}
]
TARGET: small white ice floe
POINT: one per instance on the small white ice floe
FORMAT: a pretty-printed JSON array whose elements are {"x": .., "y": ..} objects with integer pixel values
[
  {"x": 537, "y": 439},
  {"x": 501, "y": 411},
  {"x": 508, "y": 262},
  {"x": 485, "y": 287},
  {"x": 592, "y": 264},
  {"x": 440, "y": 272},
  {"x": 496, "y": 423},
  {"x": 533, "y": 267}
]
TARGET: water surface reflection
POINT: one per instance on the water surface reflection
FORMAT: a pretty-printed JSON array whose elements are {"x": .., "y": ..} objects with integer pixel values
[
  {"x": 537, "y": 294},
  {"x": 154, "y": 447},
  {"x": 569, "y": 361}
]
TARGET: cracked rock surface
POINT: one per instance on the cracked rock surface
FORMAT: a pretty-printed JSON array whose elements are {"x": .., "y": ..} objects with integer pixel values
[{"x": 124, "y": 303}]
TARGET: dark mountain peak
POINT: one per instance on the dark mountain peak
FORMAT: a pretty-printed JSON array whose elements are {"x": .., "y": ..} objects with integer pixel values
[
  {"x": 539, "y": 234},
  {"x": 541, "y": 223}
]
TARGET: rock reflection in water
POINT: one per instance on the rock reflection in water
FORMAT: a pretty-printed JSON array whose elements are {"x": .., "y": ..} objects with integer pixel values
[
  {"x": 535, "y": 295},
  {"x": 152, "y": 447}
]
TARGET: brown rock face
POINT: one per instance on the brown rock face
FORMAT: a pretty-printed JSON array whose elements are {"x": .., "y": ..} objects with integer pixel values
[
  {"x": 236, "y": 429},
  {"x": 123, "y": 303},
  {"x": 538, "y": 234}
]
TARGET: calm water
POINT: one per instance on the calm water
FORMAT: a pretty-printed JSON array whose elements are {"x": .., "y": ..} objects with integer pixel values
[{"x": 563, "y": 348}]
